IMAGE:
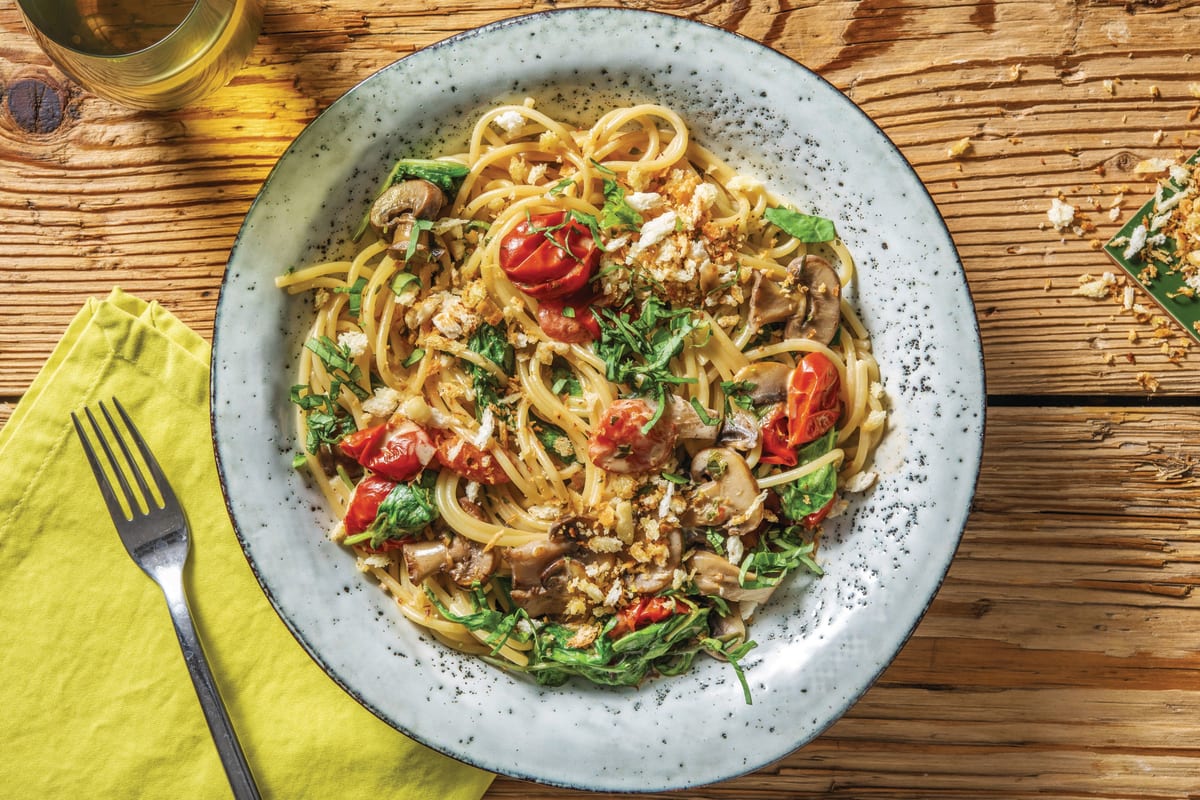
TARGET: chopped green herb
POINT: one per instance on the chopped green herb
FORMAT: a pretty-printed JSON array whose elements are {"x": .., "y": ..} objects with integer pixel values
[
  {"x": 401, "y": 281},
  {"x": 414, "y": 237},
  {"x": 702, "y": 413},
  {"x": 414, "y": 357},
  {"x": 354, "y": 301},
  {"x": 560, "y": 187},
  {"x": 673, "y": 478},
  {"x": 638, "y": 352},
  {"x": 617, "y": 213},
  {"x": 299, "y": 461},
  {"x": 565, "y": 379}
]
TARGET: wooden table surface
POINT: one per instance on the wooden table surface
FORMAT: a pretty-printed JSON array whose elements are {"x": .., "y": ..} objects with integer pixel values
[{"x": 1059, "y": 659}]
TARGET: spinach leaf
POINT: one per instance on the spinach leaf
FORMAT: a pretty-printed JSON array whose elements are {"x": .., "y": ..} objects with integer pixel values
[
  {"x": 491, "y": 342},
  {"x": 565, "y": 381},
  {"x": 810, "y": 493},
  {"x": 805, "y": 227},
  {"x": 408, "y": 508},
  {"x": 554, "y": 439}
]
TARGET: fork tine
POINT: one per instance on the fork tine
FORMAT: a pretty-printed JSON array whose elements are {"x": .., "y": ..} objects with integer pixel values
[
  {"x": 160, "y": 479},
  {"x": 106, "y": 487},
  {"x": 133, "y": 465}
]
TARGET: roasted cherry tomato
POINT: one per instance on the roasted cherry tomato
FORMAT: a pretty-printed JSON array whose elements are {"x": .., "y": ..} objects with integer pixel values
[
  {"x": 618, "y": 443},
  {"x": 364, "y": 503},
  {"x": 775, "y": 448},
  {"x": 813, "y": 403},
  {"x": 579, "y": 328},
  {"x": 549, "y": 256},
  {"x": 394, "y": 450},
  {"x": 644, "y": 612},
  {"x": 814, "y": 519},
  {"x": 457, "y": 454}
]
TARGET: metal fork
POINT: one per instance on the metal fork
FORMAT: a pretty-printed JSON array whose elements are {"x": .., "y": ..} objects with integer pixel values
[{"x": 156, "y": 536}]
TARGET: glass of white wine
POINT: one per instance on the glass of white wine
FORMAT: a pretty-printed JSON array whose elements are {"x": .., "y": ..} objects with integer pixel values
[{"x": 146, "y": 54}]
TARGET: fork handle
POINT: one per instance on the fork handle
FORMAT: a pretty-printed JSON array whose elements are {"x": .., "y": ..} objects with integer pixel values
[{"x": 232, "y": 758}]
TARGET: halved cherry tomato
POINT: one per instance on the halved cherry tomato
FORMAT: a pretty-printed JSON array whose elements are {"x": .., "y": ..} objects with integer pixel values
[
  {"x": 813, "y": 404},
  {"x": 644, "y": 612},
  {"x": 364, "y": 503},
  {"x": 395, "y": 450},
  {"x": 618, "y": 443},
  {"x": 580, "y": 328},
  {"x": 456, "y": 453},
  {"x": 549, "y": 256},
  {"x": 775, "y": 449},
  {"x": 814, "y": 519}
]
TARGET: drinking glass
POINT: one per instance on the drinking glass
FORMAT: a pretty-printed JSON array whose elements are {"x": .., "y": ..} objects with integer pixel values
[{"x": 146, "y": 54}]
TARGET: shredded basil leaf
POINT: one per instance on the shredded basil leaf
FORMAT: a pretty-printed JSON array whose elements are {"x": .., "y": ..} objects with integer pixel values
[
  {"x": 637, "y": 352},
  {"x": 401, "y": 281},
  {"x": 617, "y": 213},
  {"x": 414, "y": 357},
  {"x": 354, "y": 301}
]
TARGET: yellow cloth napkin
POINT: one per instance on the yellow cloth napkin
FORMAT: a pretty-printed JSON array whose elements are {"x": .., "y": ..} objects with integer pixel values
[{"x": 95, "y": 700}]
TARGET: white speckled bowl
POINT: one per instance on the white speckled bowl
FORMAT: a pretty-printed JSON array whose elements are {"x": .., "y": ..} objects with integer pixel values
[{"x": 821, "y": 642}]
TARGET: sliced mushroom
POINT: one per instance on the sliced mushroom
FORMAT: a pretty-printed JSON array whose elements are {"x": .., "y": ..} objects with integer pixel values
[
  {"x": 423, "y": 559},
  {"x": 688, "y": 424},
  {"x": 471, "y": 562},
  {"x": 740, "y": 430},
  {"x": 529, "y": 561},
  {"x": 820, "y": 284},
  {"x": 716, "y": 575},
  {"x": 768, "y": 381},
  {"x": 466, "y": 561},
  {"x": 396, "y": 211},
  {"x": 770, "y": 302},
  {"x": 731, "y": 498},
  {"x": 729, "y": 629},
  {"x": 553, "y": 590},
  {"x": 662, "y": 575}
]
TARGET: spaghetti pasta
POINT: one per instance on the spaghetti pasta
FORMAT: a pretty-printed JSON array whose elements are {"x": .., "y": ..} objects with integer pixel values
[{"x": 587, "y": 396}]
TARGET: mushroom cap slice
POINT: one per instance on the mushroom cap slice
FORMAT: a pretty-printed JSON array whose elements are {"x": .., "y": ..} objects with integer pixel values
[
  {"x": 716, "y": 575},
  {"x": 404, "y": 202},
  {"x": 769, "y": 381},
  {"x": 770, "y": 302},
  {"x": 821, "y": 285},
  {"x": 731, "y": 498}
]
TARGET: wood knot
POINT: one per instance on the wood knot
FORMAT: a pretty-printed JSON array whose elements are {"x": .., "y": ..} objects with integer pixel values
[
  {"x": 36, "y": 106},
  {"x": 1123, "y": 162}
]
